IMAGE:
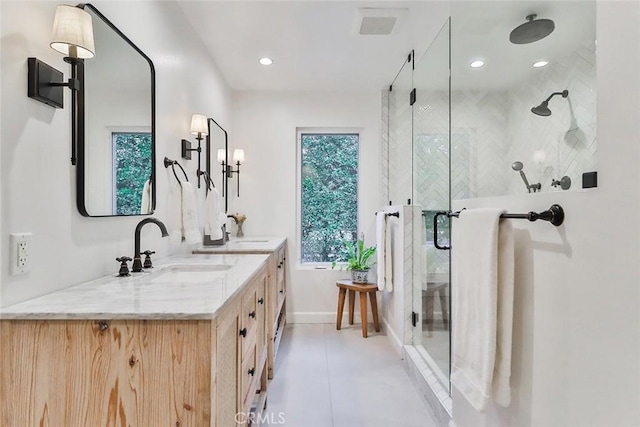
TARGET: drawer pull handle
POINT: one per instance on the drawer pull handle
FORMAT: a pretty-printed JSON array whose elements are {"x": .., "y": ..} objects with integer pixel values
[
  {"x": 252, "y": 315},
  {"x": 252, "y": 371},
  {"x": 103, "y": 326},
  {"x": 281, "y": 291},
  {"x": 243, "y": 332},
  {"x": 261, "y": 301}
]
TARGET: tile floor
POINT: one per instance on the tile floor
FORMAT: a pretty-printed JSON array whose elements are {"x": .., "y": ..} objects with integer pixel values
[{"x": 329, "y": 378}]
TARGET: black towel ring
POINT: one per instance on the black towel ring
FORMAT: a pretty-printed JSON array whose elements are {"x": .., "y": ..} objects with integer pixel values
[{"x": 168, "y": 162}]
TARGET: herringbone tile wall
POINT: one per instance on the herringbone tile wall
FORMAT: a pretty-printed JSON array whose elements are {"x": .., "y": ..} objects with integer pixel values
[
  {"x": 567, "y": 137},
  {"x": 489, "y": 131}
]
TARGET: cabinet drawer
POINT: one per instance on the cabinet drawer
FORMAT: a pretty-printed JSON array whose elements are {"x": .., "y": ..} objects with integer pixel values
[{"x": 248, "y": 376}]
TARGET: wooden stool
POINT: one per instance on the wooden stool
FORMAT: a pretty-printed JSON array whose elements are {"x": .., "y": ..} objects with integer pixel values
[{"x": 364, "y": 289}]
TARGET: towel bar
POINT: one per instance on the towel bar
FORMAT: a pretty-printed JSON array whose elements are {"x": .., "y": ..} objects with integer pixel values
[
  {"x": 396, "y": 214},
  {"x": 554, "y": 215}
]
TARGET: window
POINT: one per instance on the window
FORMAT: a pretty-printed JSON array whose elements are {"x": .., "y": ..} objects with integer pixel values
[
  {"x": 329, "y": 195},
  {"x": 132, "y": 168}
]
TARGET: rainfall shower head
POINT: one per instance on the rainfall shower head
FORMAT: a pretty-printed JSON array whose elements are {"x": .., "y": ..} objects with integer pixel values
[
  {"x": 517, "y": 166},
  {"x": 543, "y": 109},
  {"x": 532, "y": 30}
]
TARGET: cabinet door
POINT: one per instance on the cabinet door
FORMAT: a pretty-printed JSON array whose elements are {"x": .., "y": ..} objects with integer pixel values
[
  {"x": 227, "y": 370},
  {"x": 281, "y": 277},
  {"x": 261, "y": 319},
  {"x": 108, "y": 372},
  {"x": 249, "y": 317}
]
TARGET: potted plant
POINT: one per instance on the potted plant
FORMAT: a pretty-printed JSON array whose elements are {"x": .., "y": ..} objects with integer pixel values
[{"x": 358, "y": 260}]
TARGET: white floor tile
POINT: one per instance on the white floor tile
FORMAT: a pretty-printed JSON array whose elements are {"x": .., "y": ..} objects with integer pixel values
[{"x": 329, "y": 378}]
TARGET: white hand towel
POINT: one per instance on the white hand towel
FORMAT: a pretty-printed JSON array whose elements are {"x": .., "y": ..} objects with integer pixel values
[
  {"x": 212, "y": 207},
  {"x": 190, "y": 229},
  {"x": 383, "y": 248},
  {"x": 483, "y": 305},
  {"x": 388, "y": 256},
  {"x": 173, "y": 202},
  {"x": 146, "y": 205}
]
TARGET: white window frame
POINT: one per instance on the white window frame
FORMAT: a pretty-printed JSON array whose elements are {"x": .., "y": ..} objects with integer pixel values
[{"x": 319, "y": 130}]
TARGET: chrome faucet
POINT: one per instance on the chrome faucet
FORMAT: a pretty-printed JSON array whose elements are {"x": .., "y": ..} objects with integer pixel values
[{"x": 137, "y": 262}]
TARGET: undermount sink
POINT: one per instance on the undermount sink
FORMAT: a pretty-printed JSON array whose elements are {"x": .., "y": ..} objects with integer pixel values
[
  {"x": 245, "y": 242},
  {"x": 189, "y": 273}
]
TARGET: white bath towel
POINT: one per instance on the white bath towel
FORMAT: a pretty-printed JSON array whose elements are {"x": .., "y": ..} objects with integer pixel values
[
  {"x": 146, "y": 204},
  {"x": 482, "y": 270},
  {"x": 212, "y": 210},
  {"x": 383, "y": 248}
]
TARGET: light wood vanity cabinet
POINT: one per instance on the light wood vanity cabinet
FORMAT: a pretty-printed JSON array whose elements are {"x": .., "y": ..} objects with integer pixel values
[
  {"x": 276, "y": 290},
  {"x": 178, "y": 373}
]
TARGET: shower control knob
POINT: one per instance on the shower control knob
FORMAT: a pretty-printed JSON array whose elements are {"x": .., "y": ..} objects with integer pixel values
[{"x": 564, "y": 183}]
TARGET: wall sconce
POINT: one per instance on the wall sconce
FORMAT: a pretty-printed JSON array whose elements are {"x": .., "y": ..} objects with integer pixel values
[
  {"x": 238, "y": 158},
  {"x": 72, "y": 35},
  {"x": 199, "y": 128}
]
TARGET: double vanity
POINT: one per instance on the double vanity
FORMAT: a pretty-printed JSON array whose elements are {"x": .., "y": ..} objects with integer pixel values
[{"x": 191, "y": 342}]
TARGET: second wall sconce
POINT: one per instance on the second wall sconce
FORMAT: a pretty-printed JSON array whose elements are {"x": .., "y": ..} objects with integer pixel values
[
  {"x": 227, "y": 170},
  {"x": 72, "y": 35},
  {"x": 200, "y": 129}
]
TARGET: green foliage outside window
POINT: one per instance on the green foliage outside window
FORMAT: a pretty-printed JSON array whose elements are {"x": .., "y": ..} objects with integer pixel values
[
  {"x": 329, "y": 196},
  {"x": 132, "y": 160}
]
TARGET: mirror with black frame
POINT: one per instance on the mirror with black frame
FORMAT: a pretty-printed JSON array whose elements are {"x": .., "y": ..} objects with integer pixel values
[
  {"x": 116, "y": 147},
  {"x": 217, "y": 152}
]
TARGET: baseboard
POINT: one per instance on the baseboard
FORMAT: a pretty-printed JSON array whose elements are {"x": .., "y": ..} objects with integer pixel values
[
  {"x": 325, "y": 317},
  {"x": 393, "y": 339},
  {"x": 313, "y": 317}
]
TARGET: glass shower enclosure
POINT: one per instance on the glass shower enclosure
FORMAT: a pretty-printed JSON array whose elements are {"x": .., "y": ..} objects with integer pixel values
[{"x": 419, "y": 173}]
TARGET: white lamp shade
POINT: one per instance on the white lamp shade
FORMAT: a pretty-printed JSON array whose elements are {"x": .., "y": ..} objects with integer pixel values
[
  {"x": 199, "y": 125},
  {"x": 238, "y": 155},
  {"x": 72, "y": 28},
  {"x": 222, "y": 155}
]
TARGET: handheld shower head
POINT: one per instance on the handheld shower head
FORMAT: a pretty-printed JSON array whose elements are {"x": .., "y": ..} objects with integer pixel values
[
  {"x": 543, "y": 109},
  {"x": 518, "y": 166}
]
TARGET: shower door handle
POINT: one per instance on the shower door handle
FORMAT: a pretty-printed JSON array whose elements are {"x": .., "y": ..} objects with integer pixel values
[{"x": 435, "y": 230}]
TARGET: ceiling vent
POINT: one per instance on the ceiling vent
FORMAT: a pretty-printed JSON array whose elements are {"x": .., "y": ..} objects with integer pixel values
[{"x": 378, "y": 21}]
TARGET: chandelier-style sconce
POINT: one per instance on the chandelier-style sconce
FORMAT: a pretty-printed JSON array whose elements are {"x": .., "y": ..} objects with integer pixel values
[{"x": 227, "y": 169}]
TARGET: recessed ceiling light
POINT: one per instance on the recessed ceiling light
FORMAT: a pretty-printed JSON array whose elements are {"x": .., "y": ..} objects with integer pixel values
[
  {"x": 477, "y": 63},
  {"x": 266, "y": 61},
  {"x": 540, "y": 64}
]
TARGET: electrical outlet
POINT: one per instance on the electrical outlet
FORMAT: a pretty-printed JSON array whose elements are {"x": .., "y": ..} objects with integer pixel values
[{"x": 19, "y": 252}]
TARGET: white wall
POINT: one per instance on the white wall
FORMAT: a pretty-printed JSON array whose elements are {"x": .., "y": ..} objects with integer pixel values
[
  {"x": 576, "y": 360},
  {"x": 38, "y": 181},
  {"x": 264, "y": 124}
]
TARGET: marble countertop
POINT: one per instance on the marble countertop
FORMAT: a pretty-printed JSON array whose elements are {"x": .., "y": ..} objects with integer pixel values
[
  {"x": 243, "y": 245},
  {"x": 178, "y": 287}
]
